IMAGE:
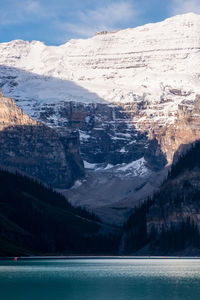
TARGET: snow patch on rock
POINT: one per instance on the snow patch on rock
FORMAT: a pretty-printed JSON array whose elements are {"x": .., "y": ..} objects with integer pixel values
[
  {"x": 135, "y": 168},
  {"x": 88, "y": 165}
]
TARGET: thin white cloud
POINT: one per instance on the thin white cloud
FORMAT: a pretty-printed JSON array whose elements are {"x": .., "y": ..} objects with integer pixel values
[
  {"x": 69, "y": 22},
  {"x": 185, "y": 6},
  {"x": 102, "y": 18},
  {"x": 22, "y": 11},
  {"x": 33, "y": 7}
]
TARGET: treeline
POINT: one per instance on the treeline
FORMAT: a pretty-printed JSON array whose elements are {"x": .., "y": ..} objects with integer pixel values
[
  {"x": 167, "y": 241},
  {"x": 37, "y": 220},
  {"x": 136, "y": 227},
  {"x": 12, "y": 184},
  {"x": 172, "y": 199},
  {"x": 186, "y": 161},
  {"x": 184, "y": 235}
]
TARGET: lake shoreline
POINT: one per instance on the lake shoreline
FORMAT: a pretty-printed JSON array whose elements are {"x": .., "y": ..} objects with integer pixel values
[{"x": 96, "y": 257}]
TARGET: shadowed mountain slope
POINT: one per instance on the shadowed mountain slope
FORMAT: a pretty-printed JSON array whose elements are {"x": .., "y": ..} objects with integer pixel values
[
  {"x": 37, "y": 220},
  {"x": 37, "y": 150},
  {"x": 169, "y": 222}
]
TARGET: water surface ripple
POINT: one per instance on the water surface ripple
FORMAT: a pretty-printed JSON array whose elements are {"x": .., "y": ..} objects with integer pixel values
[{"x": 100, "y": 279}]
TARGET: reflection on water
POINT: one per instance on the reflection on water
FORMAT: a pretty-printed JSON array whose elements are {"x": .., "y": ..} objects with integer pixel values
[{"x": 100, "y": 279}]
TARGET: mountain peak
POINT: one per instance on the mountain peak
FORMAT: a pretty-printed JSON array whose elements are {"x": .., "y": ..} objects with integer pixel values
[
  {"x": 12, "y": 115},
  {"x": 183, "y": 17}
]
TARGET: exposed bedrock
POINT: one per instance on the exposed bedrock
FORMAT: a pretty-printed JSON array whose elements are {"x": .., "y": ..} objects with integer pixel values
[
  {"x": 107, "y": 133},
  {"x": 116, "y": 133},
  {"x": 36, "y": 150}
]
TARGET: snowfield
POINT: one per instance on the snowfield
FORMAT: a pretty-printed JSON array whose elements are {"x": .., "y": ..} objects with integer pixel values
[
  {"x": 136, "y": 168},
  {"x": 154, "y": 63}
]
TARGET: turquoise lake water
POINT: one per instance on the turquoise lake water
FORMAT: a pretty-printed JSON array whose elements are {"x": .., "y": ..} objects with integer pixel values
[{"x": 100, "y": 279}]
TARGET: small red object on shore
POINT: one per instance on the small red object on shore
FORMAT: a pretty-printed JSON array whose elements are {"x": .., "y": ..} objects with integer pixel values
[{"x": 15, "y": 258}]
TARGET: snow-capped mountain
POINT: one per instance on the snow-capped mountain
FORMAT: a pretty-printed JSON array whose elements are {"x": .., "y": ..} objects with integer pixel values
[
  {"x": 146, "y": 62},
  {"x": 127, "y": 91},
  {"x": 133, "y": 95}
]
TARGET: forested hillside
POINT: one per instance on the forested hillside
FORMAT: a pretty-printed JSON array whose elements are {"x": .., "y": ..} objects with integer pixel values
[
  {"x": 37, "y": 220},
  {"x": 169, "y": 222}
]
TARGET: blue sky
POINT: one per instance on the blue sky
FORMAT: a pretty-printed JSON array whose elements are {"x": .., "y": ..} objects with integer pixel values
[{"x": 56, "y": 21}]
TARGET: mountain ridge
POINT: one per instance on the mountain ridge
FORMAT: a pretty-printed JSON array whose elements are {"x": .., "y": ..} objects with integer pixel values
[
  {"x": 168, "y": 19},
  {"x": 132, "y": 95}
]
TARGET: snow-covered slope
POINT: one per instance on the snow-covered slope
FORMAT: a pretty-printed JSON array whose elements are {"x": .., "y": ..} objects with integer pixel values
[
  {"x": 146, "y": 62},
  {"x": 136, "y": 168},
  {"x": 113, "y": 87}
]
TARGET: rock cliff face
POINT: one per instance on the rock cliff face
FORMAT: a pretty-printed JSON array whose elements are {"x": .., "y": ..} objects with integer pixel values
[
  {"x": 175, "y": 138},
  {"x": 128, "y": 92},
  {"x": 114, "y": 133},
  {"x": 36, "y": 150},
  {"x": 107, "y": 132}
]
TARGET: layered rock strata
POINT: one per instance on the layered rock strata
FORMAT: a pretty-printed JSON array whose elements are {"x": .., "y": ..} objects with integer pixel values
[
  {"x": 36, "y": 150},
  {"x": 117, "y": 88}
]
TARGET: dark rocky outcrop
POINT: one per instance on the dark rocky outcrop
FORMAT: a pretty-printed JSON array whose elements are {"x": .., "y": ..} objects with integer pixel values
[{"x": 37, "y": 150}]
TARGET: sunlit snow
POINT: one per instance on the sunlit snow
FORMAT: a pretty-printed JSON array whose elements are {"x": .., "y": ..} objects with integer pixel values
[{"x": 141, "y": 64}]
